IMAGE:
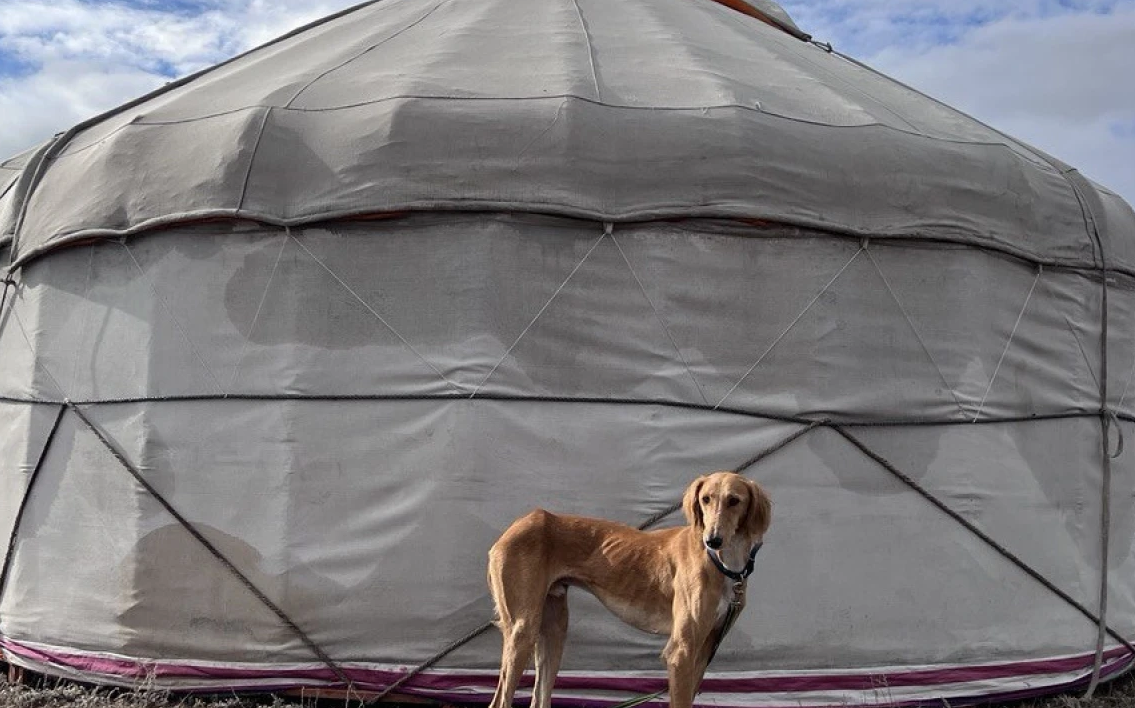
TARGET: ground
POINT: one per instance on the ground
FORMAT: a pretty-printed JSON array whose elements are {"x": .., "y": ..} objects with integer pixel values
[{"x": 1118, "y": 694}]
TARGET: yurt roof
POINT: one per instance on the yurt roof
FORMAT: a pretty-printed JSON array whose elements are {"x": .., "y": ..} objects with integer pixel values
[{"x": 613, "y": 110}]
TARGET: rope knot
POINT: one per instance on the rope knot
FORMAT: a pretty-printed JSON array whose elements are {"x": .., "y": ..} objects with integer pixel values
[{"x": 1112, "y": 417}]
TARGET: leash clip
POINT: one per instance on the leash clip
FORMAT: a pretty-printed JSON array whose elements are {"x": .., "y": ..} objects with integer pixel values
[{"x": 738, "y": 593}]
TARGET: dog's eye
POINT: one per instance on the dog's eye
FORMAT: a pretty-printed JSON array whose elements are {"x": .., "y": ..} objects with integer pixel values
[
  {"x": 705, "y": 499},
  {"x": 734, "y": 501}
]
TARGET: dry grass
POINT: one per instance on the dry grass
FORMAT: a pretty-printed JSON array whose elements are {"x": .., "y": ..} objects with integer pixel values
[
  {"x": 63, "y": 694},
  {"x": 1116, "y": 694}
]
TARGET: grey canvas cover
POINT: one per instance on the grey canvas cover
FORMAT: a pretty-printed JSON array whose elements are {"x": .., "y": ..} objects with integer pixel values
[
  {"x": 395, "y": 279},
  {"x": 616, "y": 110}
]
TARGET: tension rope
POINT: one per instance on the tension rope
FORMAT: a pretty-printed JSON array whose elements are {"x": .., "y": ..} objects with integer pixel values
[
  {"x": 341, "y": 675},
  {"x": 32, "y": 478},
  {"x": 649, "y": 522},
  {"x": 1105, "y": 415},
  {"x": 209, "y": 546}
]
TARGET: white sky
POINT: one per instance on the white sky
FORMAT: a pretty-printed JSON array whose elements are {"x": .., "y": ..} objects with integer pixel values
[{"x": 1059, "y": 74}]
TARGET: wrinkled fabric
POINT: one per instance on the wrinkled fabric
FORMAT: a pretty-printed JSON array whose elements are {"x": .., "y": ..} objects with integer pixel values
[
  {"x": 396, "y": 279},
  {"x": 623, "y": 111},
  {"x": 446, "y": 373}
]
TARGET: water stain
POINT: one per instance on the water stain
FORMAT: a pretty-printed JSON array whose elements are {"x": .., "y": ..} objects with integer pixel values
[
  {"x": 911, "y": 450},
  {"x": 186, "y": 603}
]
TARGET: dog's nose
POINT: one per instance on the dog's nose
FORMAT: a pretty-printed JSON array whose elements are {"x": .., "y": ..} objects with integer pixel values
[{"x": 713, "y": 542}]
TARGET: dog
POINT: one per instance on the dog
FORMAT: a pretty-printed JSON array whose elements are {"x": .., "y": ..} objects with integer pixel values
[{"x": 677, "y": 581}]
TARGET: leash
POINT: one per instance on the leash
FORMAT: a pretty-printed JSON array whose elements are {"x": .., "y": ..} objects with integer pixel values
[
  {"x": 731, "y": 612},
  {"x": 738, "y": 599}
]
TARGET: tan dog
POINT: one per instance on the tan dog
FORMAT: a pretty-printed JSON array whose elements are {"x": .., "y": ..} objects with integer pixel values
[{"x": 663, "y": 582}]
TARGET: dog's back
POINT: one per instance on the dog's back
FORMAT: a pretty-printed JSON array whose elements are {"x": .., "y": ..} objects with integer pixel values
[{"x": 542, "y": 553}]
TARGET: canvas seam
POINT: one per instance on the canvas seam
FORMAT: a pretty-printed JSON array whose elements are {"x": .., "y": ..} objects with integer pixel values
[
  {"x": 344, "y": 63},
  {"x": 590, "y": 50},
  {"x": 252, "y": 160}
]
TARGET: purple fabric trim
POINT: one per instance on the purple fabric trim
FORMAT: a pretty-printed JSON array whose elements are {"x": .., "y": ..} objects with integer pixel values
[
  {"x": 477, "y": 686},
  {"x": 933, "y": 702}
]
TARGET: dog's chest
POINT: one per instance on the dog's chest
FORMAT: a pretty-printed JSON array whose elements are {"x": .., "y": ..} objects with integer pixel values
[
  {"x": 723, "y": 600},
  {"x": 639, "y": 615}
]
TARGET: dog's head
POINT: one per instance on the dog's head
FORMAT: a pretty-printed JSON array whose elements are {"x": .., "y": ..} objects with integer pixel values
[{"x": 724, "y": 505}]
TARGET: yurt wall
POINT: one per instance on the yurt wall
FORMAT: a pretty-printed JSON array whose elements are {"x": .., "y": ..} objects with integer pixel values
[{"x": 286, "y": 344}]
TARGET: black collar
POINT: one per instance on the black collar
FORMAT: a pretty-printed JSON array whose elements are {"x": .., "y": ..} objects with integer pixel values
[{"x": 735, "y": 576}]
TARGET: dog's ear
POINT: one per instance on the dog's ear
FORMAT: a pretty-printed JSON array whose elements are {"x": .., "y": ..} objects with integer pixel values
[
  {"x": 690, "y": 506},
  {"x": 759, "y": 514}
]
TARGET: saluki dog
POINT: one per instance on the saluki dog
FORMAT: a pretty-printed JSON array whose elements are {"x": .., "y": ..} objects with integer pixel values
[{"x": 672, "y": 581}]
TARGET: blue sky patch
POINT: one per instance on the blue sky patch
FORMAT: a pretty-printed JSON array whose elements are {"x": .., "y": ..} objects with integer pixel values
[
  {"x": 13, "y": 66},
  {"x": 162, "y": 68},
  {"x": 184, "y": 8},
  {"x": 1123, "y": 129}
]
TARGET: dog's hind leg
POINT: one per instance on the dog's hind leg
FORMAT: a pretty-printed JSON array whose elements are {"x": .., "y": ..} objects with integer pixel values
[
  {"x": 519, "y": 603},
  {"x": 520, "y": 638},
  {"x": 550, "y": 646}
]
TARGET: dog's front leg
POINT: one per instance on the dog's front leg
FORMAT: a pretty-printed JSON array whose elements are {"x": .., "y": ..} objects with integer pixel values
[{"x": 685, "y": 654}]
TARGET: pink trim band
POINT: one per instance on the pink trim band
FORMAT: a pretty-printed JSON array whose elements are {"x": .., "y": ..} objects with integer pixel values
[{"x": 476, "y": 687}]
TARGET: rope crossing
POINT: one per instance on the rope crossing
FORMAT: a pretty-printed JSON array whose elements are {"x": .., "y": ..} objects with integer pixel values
[
  {"x": 654, "y": 519},
  {"x": 1105, "y": 415},
  {"x": 1086, "y": 195},
  {"x": 1006, "y": 553},
  {"x": 405, "y": 678},
  {"x": 210, "y": 547},
  {"x": 11, "y": 552}
]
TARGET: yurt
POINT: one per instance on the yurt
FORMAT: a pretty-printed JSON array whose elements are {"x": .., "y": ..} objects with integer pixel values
[{"x": 286, "y": 344}]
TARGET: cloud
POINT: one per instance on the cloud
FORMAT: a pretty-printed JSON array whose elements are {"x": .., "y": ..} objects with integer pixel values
[
  {"x": 61, "y": 94},
  {"x": 863, "y": 27},
  {"x": 72, "y": 60},
  {"x": 1060, "y": 81},
  {"x": 42, "y": 33},
  {"x": 64, "y": 61}
]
